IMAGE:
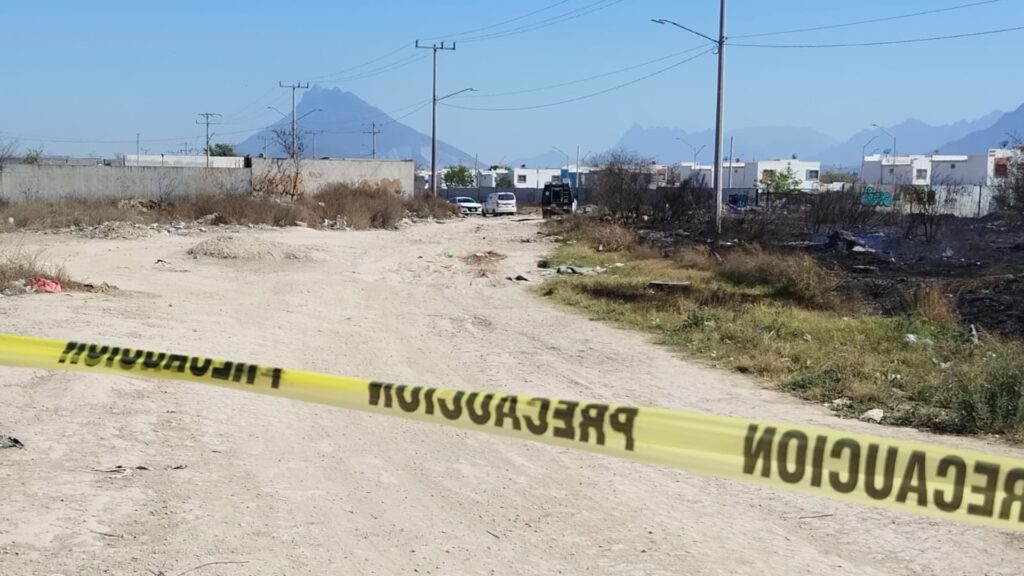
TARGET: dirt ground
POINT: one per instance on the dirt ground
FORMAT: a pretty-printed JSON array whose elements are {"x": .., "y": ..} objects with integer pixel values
[{"x": 265, "y": 486}]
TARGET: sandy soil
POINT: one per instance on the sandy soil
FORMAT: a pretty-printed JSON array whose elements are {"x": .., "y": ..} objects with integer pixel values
[{"x": 281, "y": 487}]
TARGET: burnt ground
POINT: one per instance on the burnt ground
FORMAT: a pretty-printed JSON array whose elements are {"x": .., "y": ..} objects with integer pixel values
[{"x": 978, "y": 263}]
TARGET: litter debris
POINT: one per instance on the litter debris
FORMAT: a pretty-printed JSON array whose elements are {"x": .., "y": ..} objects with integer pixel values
[
  {"x": 519, "y": 278},
  {"x": 569, "y": 270},
  {"x": 972, "y": 335},
  {"x": 839, "y": 403},
  {"x": 910, "y": 338},
  {"x": 10, "y": 442},
  {"x": 16, "y": 287},
  {"x": 667, "y": 286},
  {"x": 46, "y": 285},
  {"x": 874, "y": 415}
]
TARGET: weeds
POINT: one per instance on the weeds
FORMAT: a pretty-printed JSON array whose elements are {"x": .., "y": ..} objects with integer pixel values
[
  {"x": 20, "y": 267},
  {"x": 777, "y": 317},
  {"x": 360, "y": 207}
]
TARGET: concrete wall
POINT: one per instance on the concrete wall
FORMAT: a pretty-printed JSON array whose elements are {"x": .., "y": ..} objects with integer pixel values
[
  {"x": 21, "y": 183},
  {"x": 26, "y": 183},
  {"x": 165, "y": 160},
  {"x": 316, "y": 174}
]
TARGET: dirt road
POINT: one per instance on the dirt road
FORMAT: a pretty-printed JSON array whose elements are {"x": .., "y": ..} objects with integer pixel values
[{"x": 279, "y": 487}]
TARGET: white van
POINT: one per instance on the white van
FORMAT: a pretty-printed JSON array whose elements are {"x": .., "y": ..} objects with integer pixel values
[{"x": 500, "y": 203}]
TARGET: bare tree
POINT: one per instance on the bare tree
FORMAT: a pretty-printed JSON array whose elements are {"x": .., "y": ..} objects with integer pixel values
[
  {"x": 283, "y": 138},
  {"x": 622, "y": 182},
  {"x": 8, "y": 149},
  {"x": 931, "y": 206},
  {"x": 1009, "y": 192}
]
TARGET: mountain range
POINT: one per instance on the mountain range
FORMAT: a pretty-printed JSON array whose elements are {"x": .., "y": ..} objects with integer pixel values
[
  {"x": 341, "y": 121},
  {"x": 912, "y": 137}
]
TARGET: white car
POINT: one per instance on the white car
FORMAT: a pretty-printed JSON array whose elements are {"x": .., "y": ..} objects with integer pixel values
[
  {"x": 500, "y": 203},
  {"x": 466, "y": 205}
]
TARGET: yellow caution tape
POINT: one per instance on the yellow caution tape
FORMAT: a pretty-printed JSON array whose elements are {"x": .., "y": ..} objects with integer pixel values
[{"x": 909, "y": 476}]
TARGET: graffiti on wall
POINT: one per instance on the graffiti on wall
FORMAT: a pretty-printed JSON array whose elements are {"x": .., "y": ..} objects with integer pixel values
[{"x": 872, "y": 197}]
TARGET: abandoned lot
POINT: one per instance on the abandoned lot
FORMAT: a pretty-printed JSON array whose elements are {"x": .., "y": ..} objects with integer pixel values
[{"x": 126, "y": 476}]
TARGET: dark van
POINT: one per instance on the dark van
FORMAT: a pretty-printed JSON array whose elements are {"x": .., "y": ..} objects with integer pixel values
[{"x": 557, "y": 199}]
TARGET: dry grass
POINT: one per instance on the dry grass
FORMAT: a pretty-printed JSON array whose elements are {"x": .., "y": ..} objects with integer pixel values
[
  {"x": 363, "y": 206},
  {"x": 772, "y": 316},
  {"x": 21, "y": 267},
  {"x": 430, "y": 206},
  {"x": 930, "y": 304},
  {"x": 796, "y": 277}
]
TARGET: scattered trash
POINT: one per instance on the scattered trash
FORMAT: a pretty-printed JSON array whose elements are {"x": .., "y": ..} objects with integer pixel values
[
  {"x": 972, "y": 335},
  {"x": 947, "y": 253},
  {"x": 839, "y": 403},
  {"x": 179, "y": 467},
  {"x": 519, "y": 278},
  {"x": 910, "y": 338},
  {"x": 573, "y": 270},
  {"x": 668, "y": 286},
  {"x": 864, "y": 269},
  {"x": 448, "y": 254},
  {"x": 46, "y": 285},
  {"x": 10, "y": 442},
  {"x": 618, "y": 265},
  {"x": 874, "y": 415},
  {"x": 15, "y": 288}
]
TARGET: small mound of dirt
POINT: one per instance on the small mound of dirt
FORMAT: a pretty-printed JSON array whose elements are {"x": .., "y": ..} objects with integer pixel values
[
  {"x": 118, "y": 231},
  {"x": 237, "y": 247},
  {"x": 484, "y": 257}
]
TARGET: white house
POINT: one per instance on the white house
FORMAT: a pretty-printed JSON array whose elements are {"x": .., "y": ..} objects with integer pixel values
[
  {"x": 939, "y": 169},
  {"x": 882, "y": 170},
  {"x": 524, "y": 177},
  {"x": 490, "y": 178},
  {"x": 736, "y": 174}
]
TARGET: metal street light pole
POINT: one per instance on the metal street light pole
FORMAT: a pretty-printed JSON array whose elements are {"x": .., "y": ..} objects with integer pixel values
[
  {"x": 433, "y": 136},
  {"x": 893, "y": 158},
  {"x": 864, "y": 155},
  {"x": 719, "y": 109}
]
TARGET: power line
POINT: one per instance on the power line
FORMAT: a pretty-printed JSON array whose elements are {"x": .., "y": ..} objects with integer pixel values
[
  {"x": 364, "y": 64},
  {"x": 373, "y": 134},
  {"x": 884, "y": 42},
  {"x": 376, "y": 71},
  {"x": 869, "y": 21},
  {"x": 588, "y": 78},
  {"x": 207, "y": 120},
  {"x": 498, "y": 24},
  {"x": 555, "y": 20},
  {"x": 586, "y": 96}
]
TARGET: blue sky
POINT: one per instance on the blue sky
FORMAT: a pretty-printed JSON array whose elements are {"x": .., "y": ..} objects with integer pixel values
[{"x": 104, "y": 70}]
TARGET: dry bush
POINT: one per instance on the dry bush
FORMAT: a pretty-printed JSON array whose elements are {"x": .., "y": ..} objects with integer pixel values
[
  {"x": 430, "y": 206},
  {"x": 831, "y": 210},
  {"x": 65, "y": 214},
  {"x": 930, "y": 304},
  {"x": 600, "y": 234},
  {"x": 697, "y": 257},
  {"x": 361, "y": 206},
  {"x": 18, "y": 266},
  {"x": 242, "y": 210},
  {"x": 797, "y": 277}
]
